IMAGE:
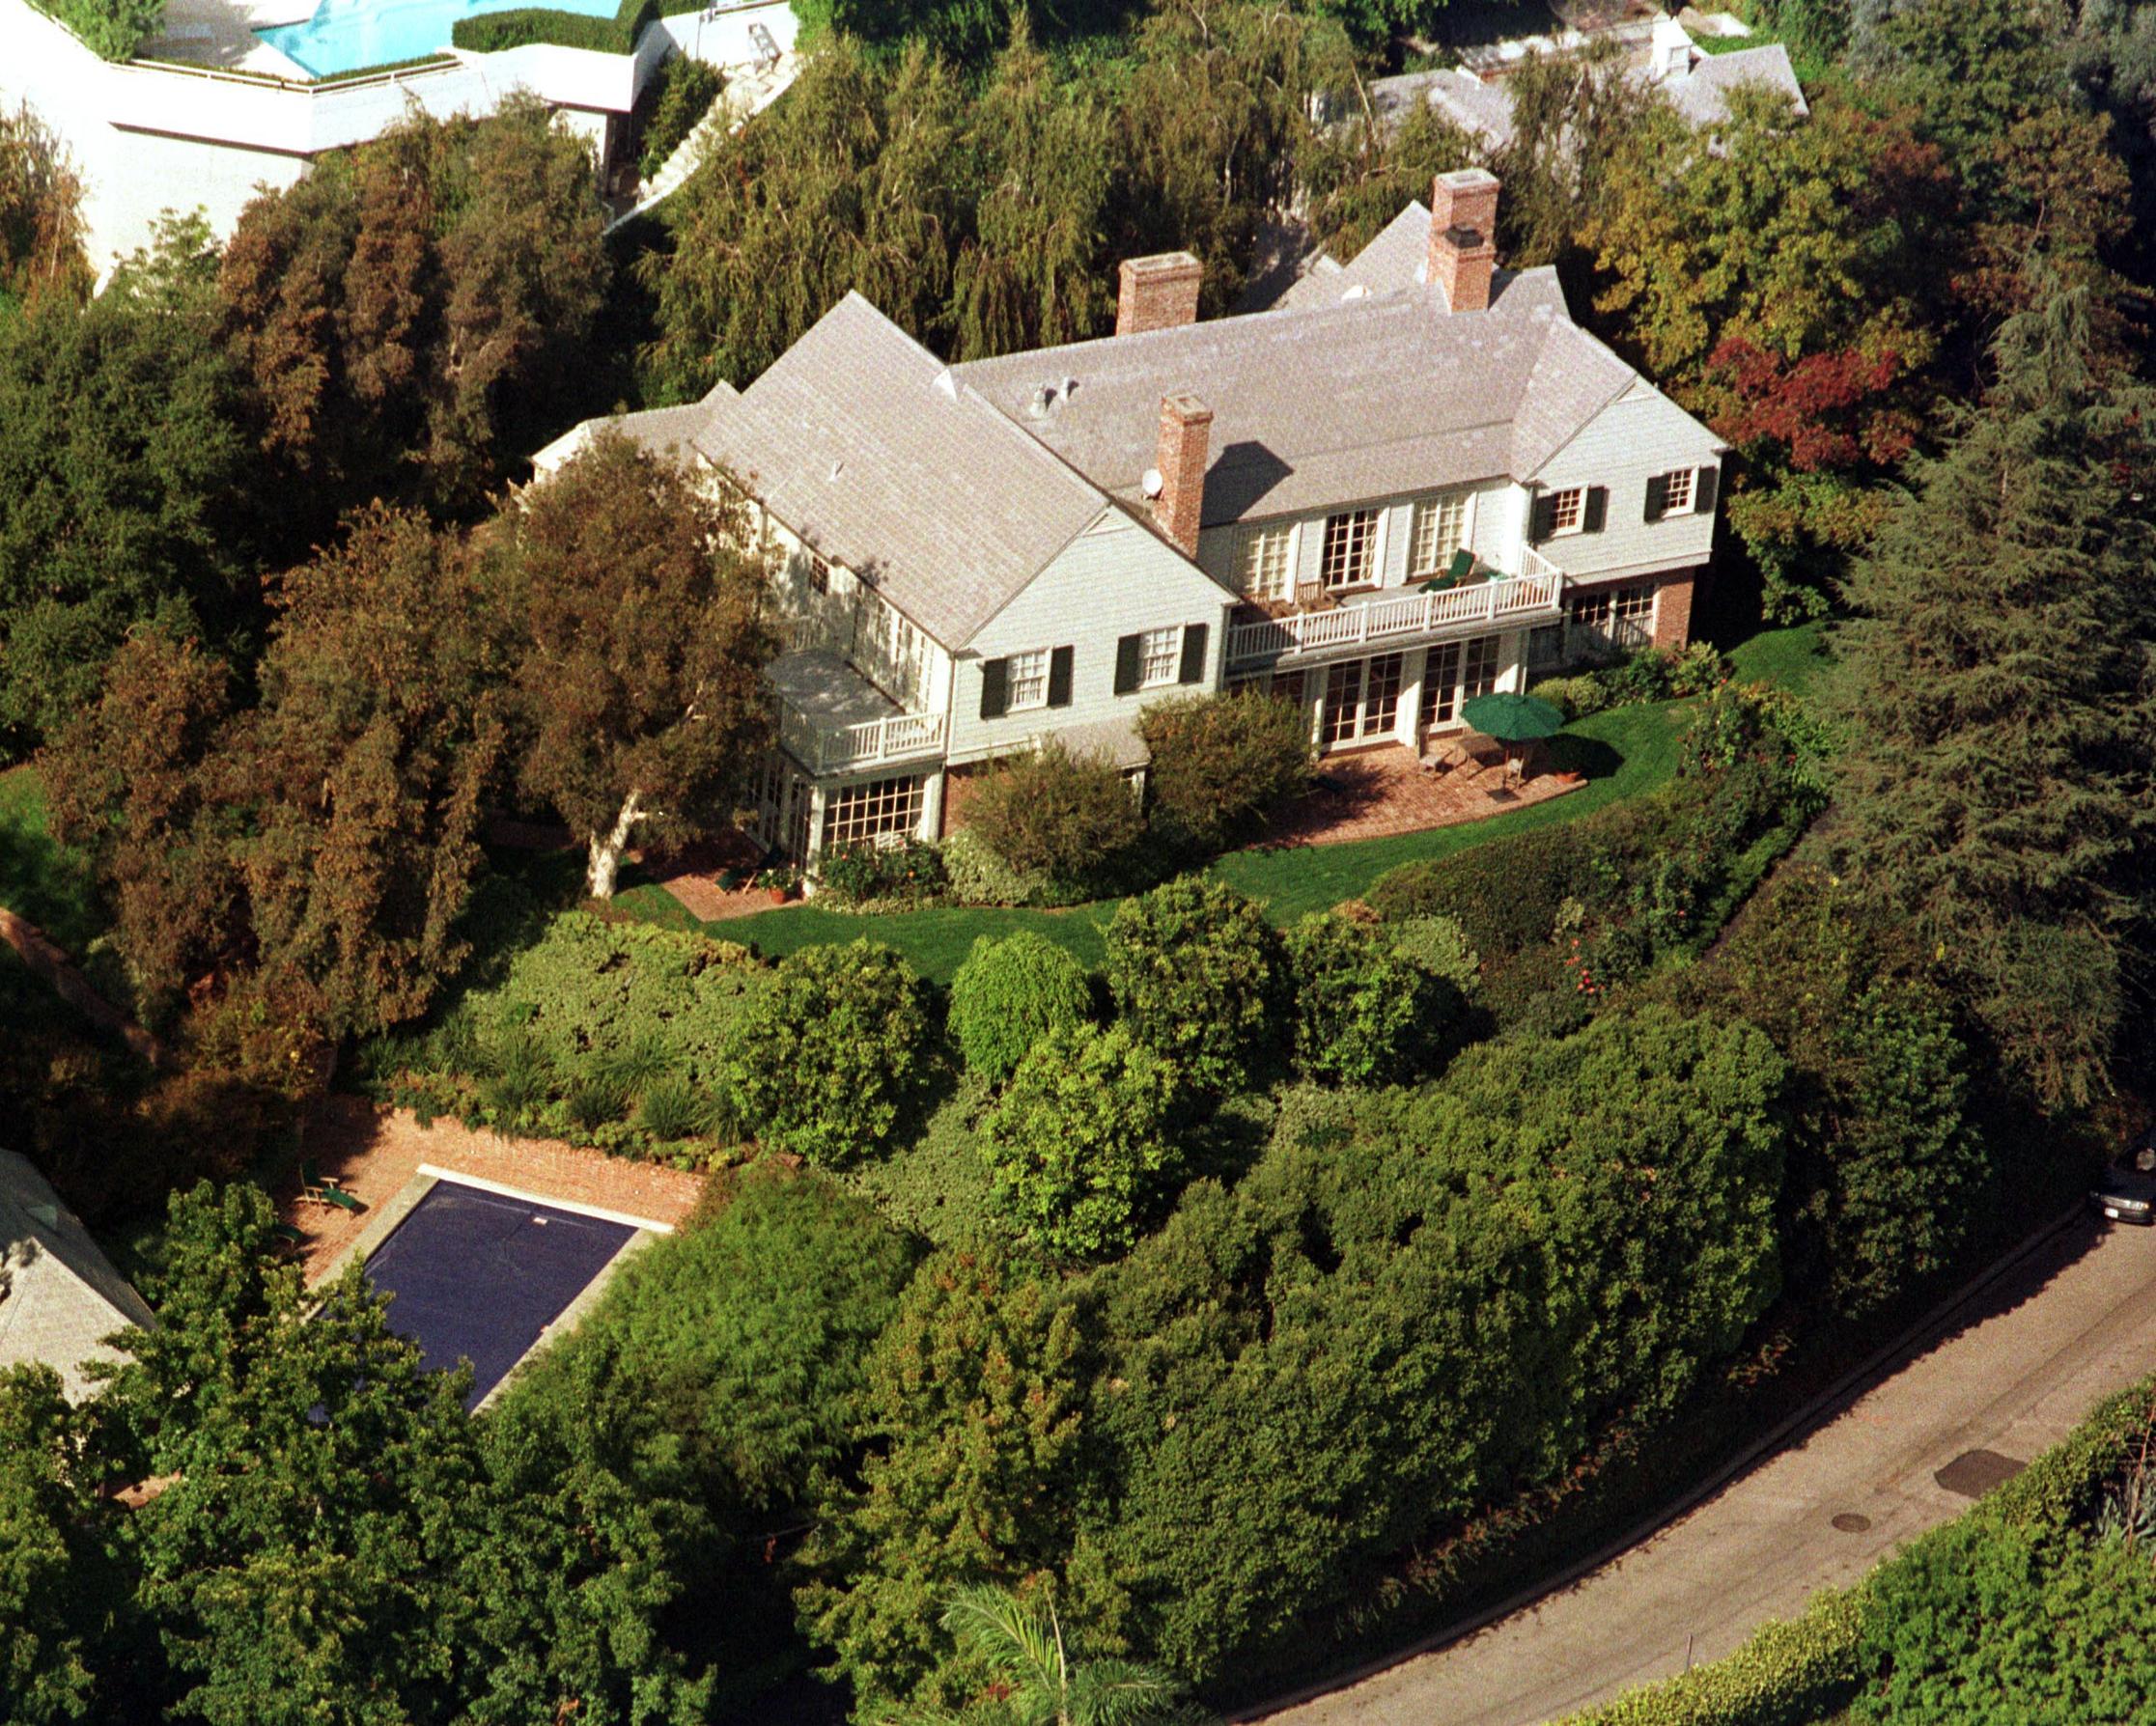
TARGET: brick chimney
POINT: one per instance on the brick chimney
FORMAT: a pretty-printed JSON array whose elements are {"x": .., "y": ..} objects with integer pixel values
[
  {"x": 1463, "y": 236},
  {"x": 1158, "y": 292},
  {"x": 1186, "y": 431}
]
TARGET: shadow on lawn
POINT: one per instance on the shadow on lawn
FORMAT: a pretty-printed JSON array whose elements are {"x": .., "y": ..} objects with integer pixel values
[{"x": 1589, "y": 757}]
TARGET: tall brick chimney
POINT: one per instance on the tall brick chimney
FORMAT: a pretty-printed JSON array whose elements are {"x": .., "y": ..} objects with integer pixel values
[
  {"x": 1156, "y": 292},
  {"x": 1186, "y": 431},
  {"x": 1463, "y": 236}
]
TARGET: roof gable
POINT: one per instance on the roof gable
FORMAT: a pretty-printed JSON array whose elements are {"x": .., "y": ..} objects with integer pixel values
[
  {"x": 871, "y": 449},
  {"x": 59, "y": 1298}
]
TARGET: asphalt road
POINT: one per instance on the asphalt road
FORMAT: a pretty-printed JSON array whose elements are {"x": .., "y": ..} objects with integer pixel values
[{"x": 2017, "y": 1369}]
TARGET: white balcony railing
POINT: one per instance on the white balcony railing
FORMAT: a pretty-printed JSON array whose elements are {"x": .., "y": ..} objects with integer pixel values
[
  {"x": 824, "y": 748},
  {"x": 1535, "y": 594}
]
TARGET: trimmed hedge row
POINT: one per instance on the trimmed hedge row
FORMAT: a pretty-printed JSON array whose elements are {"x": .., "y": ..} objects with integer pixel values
[
  {"x": 492, "y": 33},
  {"x": 1804, "y": 1671}
]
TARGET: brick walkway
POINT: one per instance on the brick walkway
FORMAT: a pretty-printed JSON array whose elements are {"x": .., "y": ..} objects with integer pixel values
[
  {"x": 1376, "y": 793},
  {"x": 374, "y": 1151}
]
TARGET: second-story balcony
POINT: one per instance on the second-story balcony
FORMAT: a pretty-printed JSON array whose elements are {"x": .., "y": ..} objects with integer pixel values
[
  {"x": 1394, "y": 617},
  {"x": 833, "y": 720}
]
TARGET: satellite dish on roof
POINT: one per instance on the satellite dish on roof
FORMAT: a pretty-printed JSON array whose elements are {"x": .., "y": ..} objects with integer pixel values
[{"x": 1149, "y": 481}]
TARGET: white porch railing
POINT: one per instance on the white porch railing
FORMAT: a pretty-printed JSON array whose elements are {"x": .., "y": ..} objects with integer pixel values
[
  {"x": 823, "y": 747},
  {"x": 1537, "y": 593}
]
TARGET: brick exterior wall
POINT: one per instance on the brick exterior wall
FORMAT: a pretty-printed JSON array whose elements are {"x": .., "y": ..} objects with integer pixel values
[
  {"x": 1673, "y": 611},
  {"x": 1158, "y": 292}
]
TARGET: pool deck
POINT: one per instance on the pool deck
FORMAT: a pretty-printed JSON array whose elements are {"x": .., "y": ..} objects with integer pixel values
[
  {"x": 221, "y": 33},
  {"x": 377, "y": 1153}
]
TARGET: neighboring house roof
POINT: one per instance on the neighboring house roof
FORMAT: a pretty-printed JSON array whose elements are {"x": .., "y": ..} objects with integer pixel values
[
  {"x": 1385, "y": 394},
  {"x": 1398, "y": 260},
  {"x": 876, "y": 453},
  {"x": 668, "y": 431},
  {"x": 59, "y": 1298},
  {"x": 1483, "y": 107}
]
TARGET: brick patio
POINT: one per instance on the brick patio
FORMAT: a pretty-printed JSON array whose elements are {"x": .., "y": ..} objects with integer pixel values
[
  {"x": 1374, "y": 794},
  {"x": 374, "y": 1152}
]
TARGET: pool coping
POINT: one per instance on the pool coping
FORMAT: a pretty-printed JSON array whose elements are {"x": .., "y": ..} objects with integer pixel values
[{"x": 425, "y": 1179}]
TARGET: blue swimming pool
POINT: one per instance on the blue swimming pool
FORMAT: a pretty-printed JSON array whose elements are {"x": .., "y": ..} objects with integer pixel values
[
  {"x": 347, "y": 35},
  {"x": 478, "y": 1276}
]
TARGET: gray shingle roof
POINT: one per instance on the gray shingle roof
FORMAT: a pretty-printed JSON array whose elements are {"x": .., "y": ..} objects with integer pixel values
[
  {"x": 661, "y": 430},
  {"x": 1366, "y": 399},
  {"x": 1702, "y": 94},
  {"x": 59, "y": 1298},
  {"x": 1398, "y": 261},
  {"x": 867, "y": 445}
]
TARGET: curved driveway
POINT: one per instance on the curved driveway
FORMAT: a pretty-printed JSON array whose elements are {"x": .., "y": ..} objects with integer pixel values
[{"x": 2008, "y": 1373}]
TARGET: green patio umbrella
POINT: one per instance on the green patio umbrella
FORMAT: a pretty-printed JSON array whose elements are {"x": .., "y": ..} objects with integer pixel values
[
  {"x": 1517, "y": 721},
  {"x": 1512, "y": 719}
]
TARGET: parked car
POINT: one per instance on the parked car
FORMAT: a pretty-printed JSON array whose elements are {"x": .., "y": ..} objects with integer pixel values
[{"x": 2127, "y": 1191}]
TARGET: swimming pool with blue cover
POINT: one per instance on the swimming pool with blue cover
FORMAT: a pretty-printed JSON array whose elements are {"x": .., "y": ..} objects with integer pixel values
[
  {"x": 349, "y": 35},
  {"x": 476, "y": 1275}
]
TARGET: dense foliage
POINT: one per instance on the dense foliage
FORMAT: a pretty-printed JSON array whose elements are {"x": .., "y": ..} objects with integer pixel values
[
  {"x": 1364, "y": 1013},
  {"x": 1079, "y": 1145},
  {"x": 1199, "y": 973},
  {"x": 1219, "y": 764},
  {"x": 832, "y": 1053},
  {"x": 1062, "y": 819},
  {"x": 115, "y": 29},
  {"x": 1009, "y": 994},
  {"x": 40, "y": 212}
]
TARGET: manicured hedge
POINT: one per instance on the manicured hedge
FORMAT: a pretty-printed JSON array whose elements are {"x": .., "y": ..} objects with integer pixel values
[
  {"x": 1802, "y": 1672},
  {"x": 492, "y": 32},
  {"x": 113, "y": 29}
]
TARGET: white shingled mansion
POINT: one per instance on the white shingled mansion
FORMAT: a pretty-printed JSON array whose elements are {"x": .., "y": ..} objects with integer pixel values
[{"x": 1413, "y": 480}]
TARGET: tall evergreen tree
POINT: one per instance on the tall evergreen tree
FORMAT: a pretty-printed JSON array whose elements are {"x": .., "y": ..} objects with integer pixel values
[{"x": 2000, "y": 692}]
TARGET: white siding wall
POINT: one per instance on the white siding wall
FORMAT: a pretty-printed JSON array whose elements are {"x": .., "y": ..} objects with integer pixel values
[
  {"x": 1113, "y": 580},
  {"x": 1497, "y": 527},
  {"x": 1627, "y": 443},
  {"x": 843, "y": 621}
]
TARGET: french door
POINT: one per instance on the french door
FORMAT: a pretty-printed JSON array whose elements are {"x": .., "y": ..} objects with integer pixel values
[
  {"x": 1456, "y": 672},
  {"x": 1362, "y": 699}
]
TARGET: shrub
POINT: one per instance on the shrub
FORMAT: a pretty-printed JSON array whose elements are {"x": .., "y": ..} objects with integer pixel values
[
  {"x": 1197, "y": 973},
  {"x": 977, "y": 876},
  {"x": 862, "y": 871},
  {"x": 114, "y": 29},
  {"x": 1062, "y": 817},
  {"x": 685, "y": 90},
  {"x": 831, "y": 1056},
  {"x": 1222, "y": 763},
  {"x": 1364, "y": 1015},
  {"x": 1078, "y": 1145},
  {"x": 1438, "y": 947},
  {"x": 1009, "y": 994}
]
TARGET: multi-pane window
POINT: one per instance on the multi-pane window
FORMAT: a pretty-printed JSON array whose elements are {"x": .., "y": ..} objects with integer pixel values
[
  {"x": 1440, "y": 687},
  {"x": 1269, "y": 563},
  {"x": 872, "y": 810},
  {"x": 1028, "y": 686},
  {"x": 1349, "y": 548},
  {"x": 1617, "y": 617},
  {"x": 1568, "y": 510},
  {"x": 1478, "y": 667},
  {"x": 1441, "y": 526},
  {"x": 1677, "y": 496},
  {"x": 1159, "y": 655},
  {"x": 818, "y": 574}
]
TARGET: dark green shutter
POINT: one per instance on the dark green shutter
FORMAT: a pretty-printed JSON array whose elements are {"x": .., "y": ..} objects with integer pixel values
[
  {"x": 1657, "y": 497},
  {"x": 1704, "y": 490},
  {"x": 1194, "y": 653},
  {"x": 995, "y": 688},
  {"x": 1129, "y": 663},
  {"x": 1542, "y": 517},
  {"x": 1059, "y": 678},
  {"x": 1596, "y": 513}
]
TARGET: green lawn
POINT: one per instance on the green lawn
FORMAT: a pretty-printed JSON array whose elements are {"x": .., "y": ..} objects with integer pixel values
[
  {"x": 38, "y": 879},
  {"x": 1623, "y": 752},
  {"x": 1790, "y": 659}
]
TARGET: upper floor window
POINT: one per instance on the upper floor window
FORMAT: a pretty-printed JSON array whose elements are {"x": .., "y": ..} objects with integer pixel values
[
  {"x": 1159, "y": 655},
  {"x": 1686, "y": 491},
  {"x": 1441, "y": 526},
  {"x": 818, "y": 574},
  {"x": 1349, "y": 548},
  {"x": 1568, "y": 510},
  {"x": 1269, "y": 563},
  {"x": 1028, "y": 680}
]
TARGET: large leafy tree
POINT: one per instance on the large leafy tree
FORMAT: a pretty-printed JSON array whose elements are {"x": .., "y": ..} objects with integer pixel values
[
  {"x": 40, "y": 212},
  {"x": 643, "y": 646},
  {"x": 121, "y": 466},
  {"x": 1784, "y": 279},
  {"x": 2000, "y": 705}
]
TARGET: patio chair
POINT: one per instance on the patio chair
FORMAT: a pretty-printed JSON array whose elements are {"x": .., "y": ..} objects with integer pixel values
[
  {"x": 318, "y": 1188},
  {"x": 286, "y": 1241}
]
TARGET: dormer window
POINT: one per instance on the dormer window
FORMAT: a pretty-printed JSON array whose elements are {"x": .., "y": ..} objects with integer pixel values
[{"x": 1351, "y": 542}]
